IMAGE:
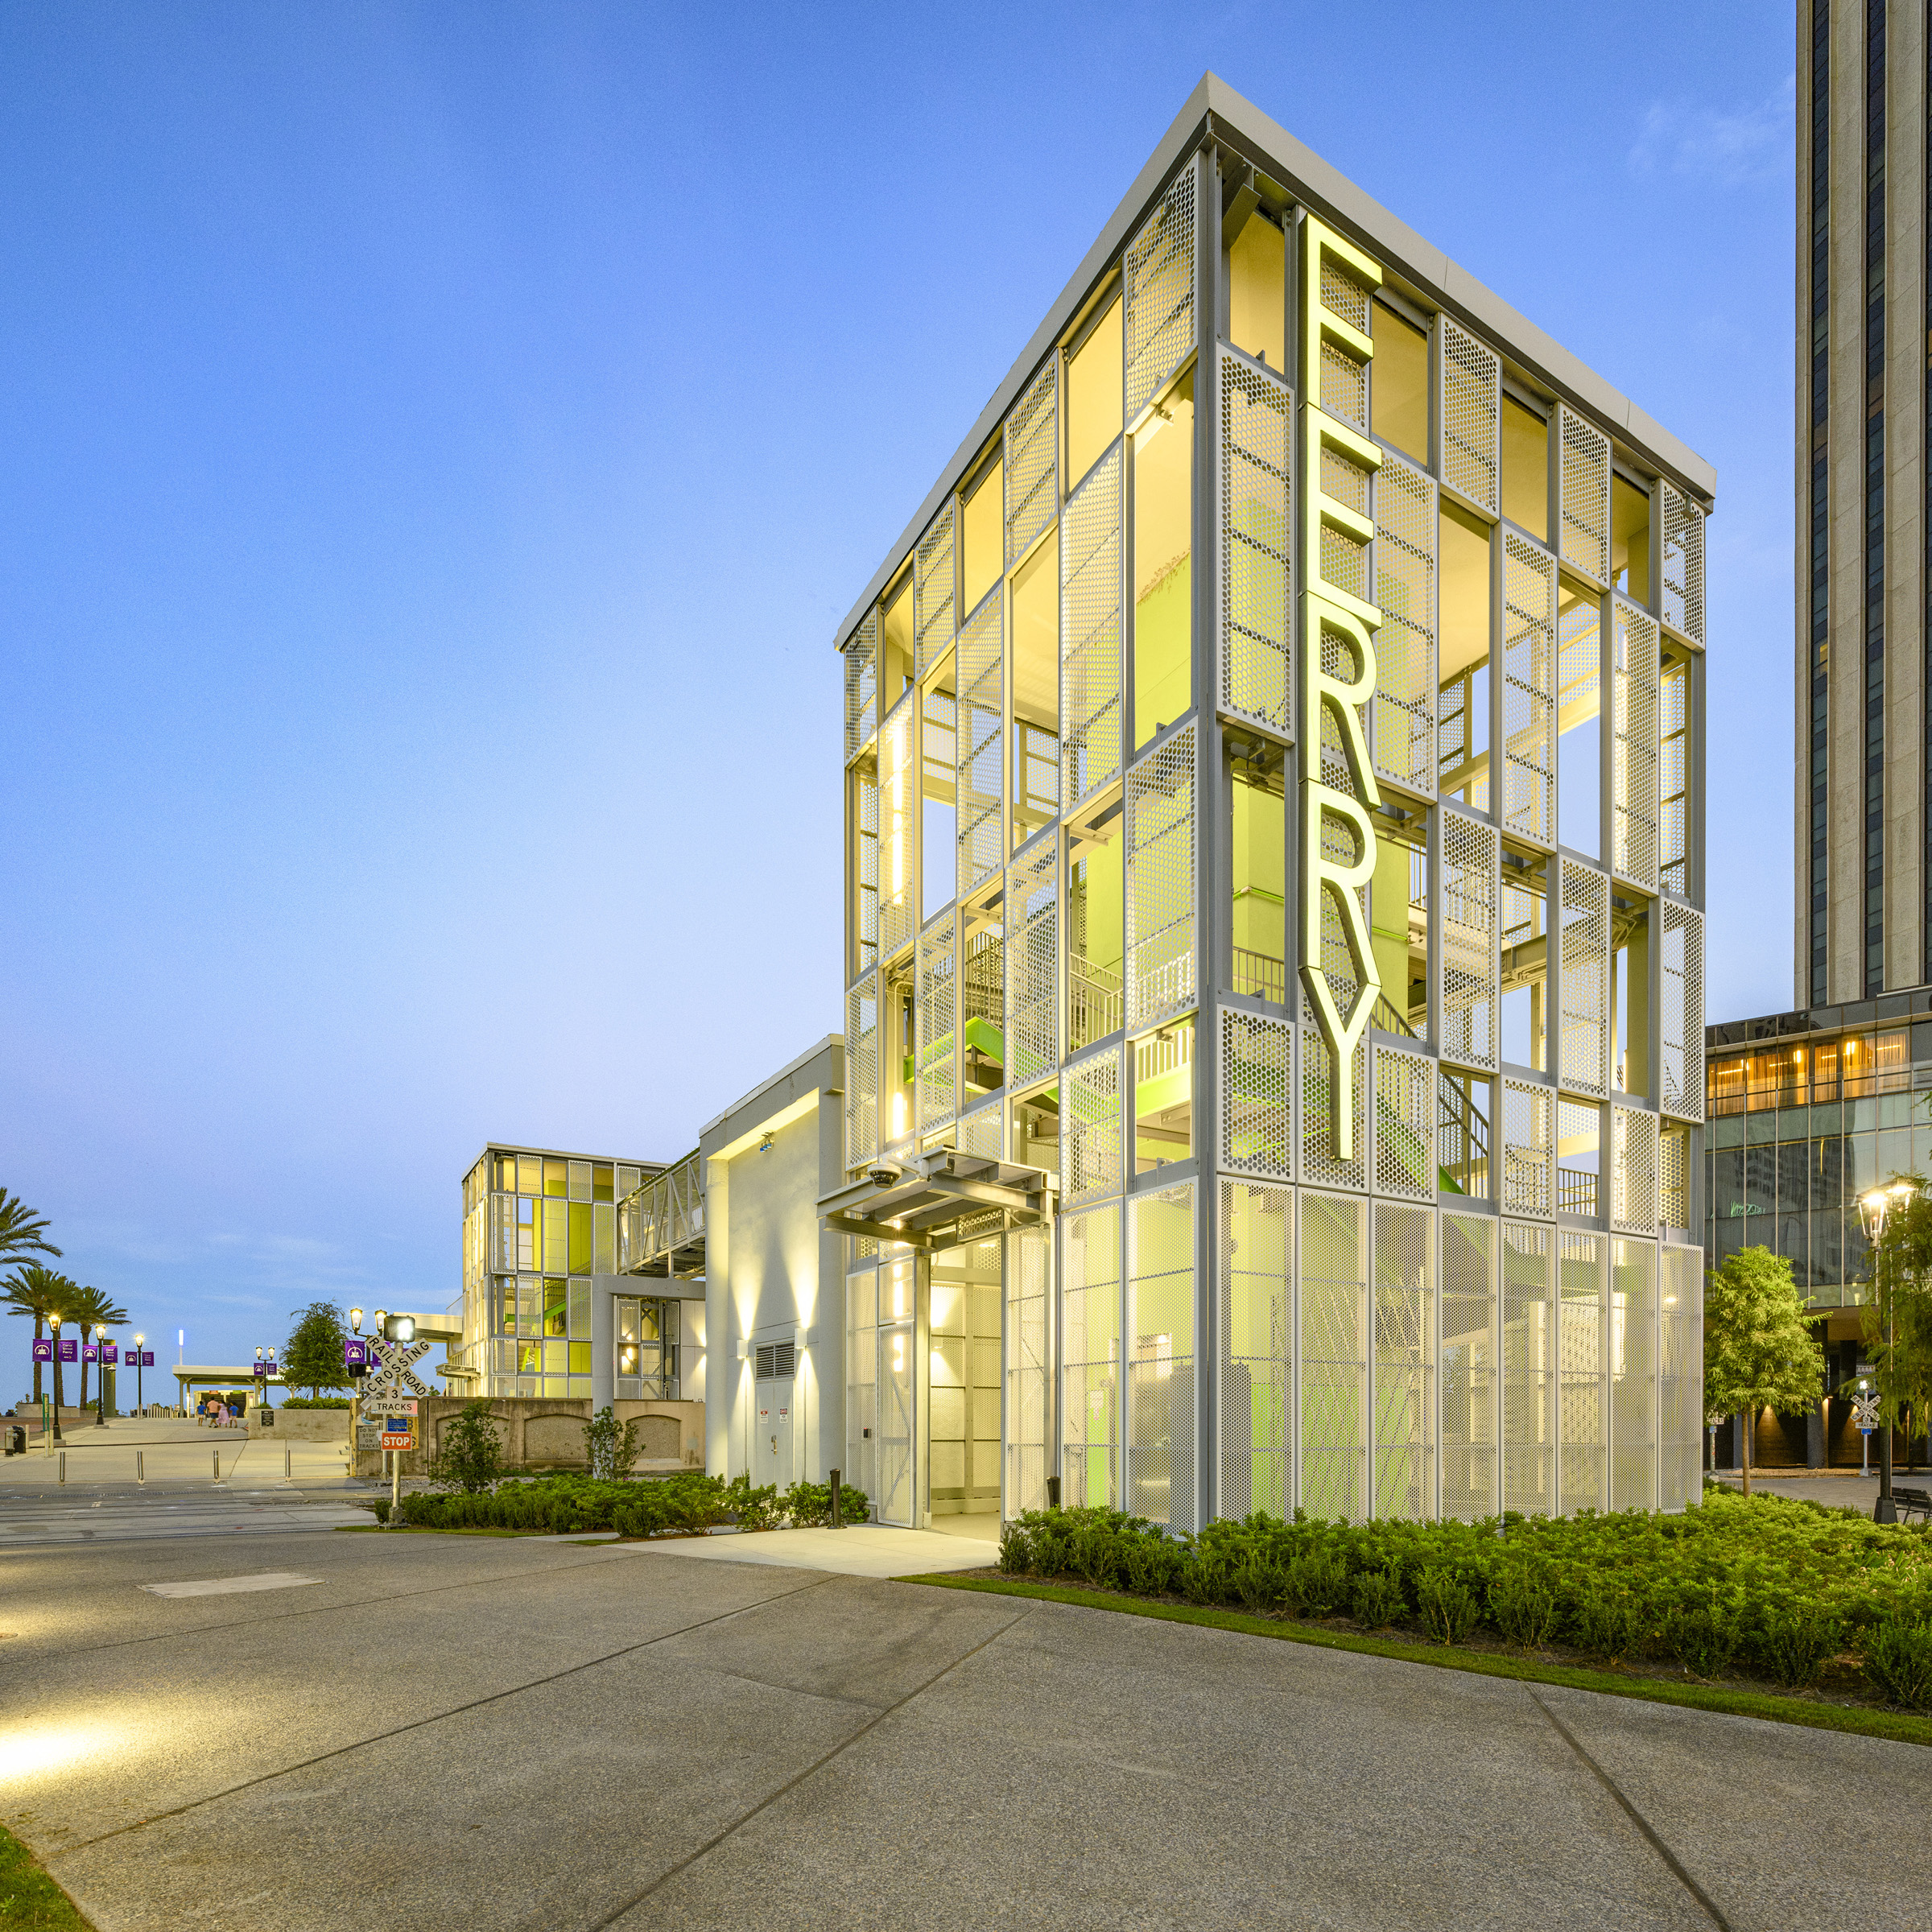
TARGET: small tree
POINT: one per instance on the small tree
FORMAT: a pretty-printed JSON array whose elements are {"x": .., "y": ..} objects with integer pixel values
[
  {"x": 1759, "y": 1351},
  {"x": 312, "y": 1357},
  {"x": 470, "y": 1456},
  {"x": 609, "y": 1448}
]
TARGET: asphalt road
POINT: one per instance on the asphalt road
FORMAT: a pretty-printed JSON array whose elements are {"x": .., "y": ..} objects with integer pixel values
[{"x": 481, "y": 1732}]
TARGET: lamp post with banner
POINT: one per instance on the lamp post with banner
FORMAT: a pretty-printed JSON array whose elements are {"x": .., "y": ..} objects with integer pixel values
[
  {"x": 99, "y": 1375},
  {"x": 139, "y": 1362},
  {"x": 1874, "y": 1210}
]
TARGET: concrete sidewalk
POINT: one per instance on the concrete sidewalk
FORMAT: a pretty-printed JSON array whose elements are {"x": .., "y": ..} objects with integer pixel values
[
  {"x": 477, "y": 1734},
  {"x": 866, "y": 1549}
]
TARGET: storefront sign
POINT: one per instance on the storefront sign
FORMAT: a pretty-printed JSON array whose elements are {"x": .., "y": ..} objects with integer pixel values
[{"x": 1338, "y": 777}]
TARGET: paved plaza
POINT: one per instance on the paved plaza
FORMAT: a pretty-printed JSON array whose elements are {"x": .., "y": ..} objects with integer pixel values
[{"x": 304, "y": 1729}]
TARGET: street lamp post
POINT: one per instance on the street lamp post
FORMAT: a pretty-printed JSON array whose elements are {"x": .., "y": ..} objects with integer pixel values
[
  {"x": 99, "y": 1375},
  {"x": 1873, "y": 1209},
  {"x": 138, "y": 1339},
  {"x": 53, "y": 1322}
]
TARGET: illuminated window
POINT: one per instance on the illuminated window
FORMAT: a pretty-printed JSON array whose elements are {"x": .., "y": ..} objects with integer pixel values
[
  {"x": 1257, "y": 292},
  {"x": 1163, "y": 543},
  {"x": 984, "y": 536},
  {"x": 1093, "y": 395},
  {"x": 1399, "y": 382},
  {"x": 1525, "y": 470}
]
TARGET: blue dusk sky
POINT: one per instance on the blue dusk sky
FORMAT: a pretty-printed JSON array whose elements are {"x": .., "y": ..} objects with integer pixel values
[{"x": 438, "y": 442}]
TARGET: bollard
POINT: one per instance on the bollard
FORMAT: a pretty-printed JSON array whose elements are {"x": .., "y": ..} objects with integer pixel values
[
  {"x": 836, "y": 1523},
  {"x": 63, "y": 1465},
  {"x": 288, "y": 1467},
  {"x": 216, "y": 1454},
  {"x": 140, "y": 1465}
]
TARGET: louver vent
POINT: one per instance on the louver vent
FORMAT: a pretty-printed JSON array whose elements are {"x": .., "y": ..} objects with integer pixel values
[{"x": 778, "y": 1361}]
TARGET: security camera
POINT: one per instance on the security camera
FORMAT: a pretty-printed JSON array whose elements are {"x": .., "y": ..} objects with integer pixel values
[{"x": 886, "y": 1173}]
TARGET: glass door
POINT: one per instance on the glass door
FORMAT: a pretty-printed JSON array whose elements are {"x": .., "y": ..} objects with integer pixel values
[{"x": 895, "y": 1425}]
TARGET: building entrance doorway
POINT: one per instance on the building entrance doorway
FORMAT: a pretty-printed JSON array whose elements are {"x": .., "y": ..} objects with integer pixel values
[{"x": 772, "y": 1433}]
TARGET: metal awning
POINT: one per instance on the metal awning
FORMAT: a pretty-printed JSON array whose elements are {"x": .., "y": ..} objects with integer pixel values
[{"x": 940, "y": 1199}]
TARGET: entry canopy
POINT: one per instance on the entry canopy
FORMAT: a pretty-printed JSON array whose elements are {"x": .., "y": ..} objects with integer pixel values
[{"x": 940, "y": 1199}]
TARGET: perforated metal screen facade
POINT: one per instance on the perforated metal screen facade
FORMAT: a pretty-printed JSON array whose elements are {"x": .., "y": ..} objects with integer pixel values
[{"x": 1078, "y": 842}]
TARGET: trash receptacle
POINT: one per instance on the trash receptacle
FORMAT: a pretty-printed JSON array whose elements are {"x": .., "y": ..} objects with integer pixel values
[{"x": 16, "y": 1439}]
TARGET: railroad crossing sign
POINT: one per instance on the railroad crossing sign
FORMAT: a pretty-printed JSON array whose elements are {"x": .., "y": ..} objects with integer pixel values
[
  {"x": 1864, "y": 1411},
  {"x": 394, "y": 1361}
]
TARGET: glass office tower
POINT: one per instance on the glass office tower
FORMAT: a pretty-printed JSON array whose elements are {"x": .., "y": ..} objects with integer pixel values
[{"x": 1273, "y": 779}]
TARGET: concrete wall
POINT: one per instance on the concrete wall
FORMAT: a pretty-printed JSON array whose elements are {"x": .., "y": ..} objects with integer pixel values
[
  {"x": 301, "y": 1425},
  {"x": 772, "y": 1274},
  {"x": 541, "y": 1432}
]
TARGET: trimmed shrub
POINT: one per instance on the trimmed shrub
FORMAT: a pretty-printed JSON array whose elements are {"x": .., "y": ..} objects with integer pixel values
[
  {"x": 1608, "y": 1624},
  {"x": 1794, "y": 1643},
  {"x": 1704, "y": 1638},
  {"x": 1898, "y": 1661},
  {"x": 1317, "y": 1582},
  {"x": 1448, "y": 1605},
  {"x": 1376, "y": 1599},
  {"x": 1016, "y": 1558},
  {"x": 1522, "y": 1605},
  {"x": 1259, "y": 1582}
]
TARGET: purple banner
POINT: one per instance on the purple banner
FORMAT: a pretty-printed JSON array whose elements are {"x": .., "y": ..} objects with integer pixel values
[
  {"x": 261, "y": 1370},
  {"x": 43, "y": 1350},
  {"x": 355, "y": 1352},
  {"x": 110, "y": 1354},
  {"x": 70, "y": 1349},
  {"x": 147, "y": 1358},
  {"x": 91, "y": 1352}
]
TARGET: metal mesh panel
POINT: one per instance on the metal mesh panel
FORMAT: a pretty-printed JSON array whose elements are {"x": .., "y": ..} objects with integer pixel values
[
  {"x": 1160, "y": 881},
  {"x": 862, "y": 682},
  {"x": 1529, "y": 688},
  {"x": 1584, "y": 493},
  {"x": 1673, "y": 1178},
  {"x": 1633, "y": 1375},
  {"x": 1529, "y": 1370},
  {"x": 862, "y": 1072},
  {"x": 1033, "y": 947},
  {"x": 1633, "y": 1198},
  {"x": 1585, "y": 938},
  {"x": 1580, "y": 1368},
  {"x": 982, "y": 1132},
  {"x": 1680, "y": 1379},
  {"x": 1466, "y": 1353},
  {"x": 1090, "y": 630},
  {"x": 1674, "y": 782},
  {"x": 935, "y": 1018},
  {"x": 982, "y": 761},
  {"x": 1029, "y": 1369},
  {"x": 1344, "y": 381},
  {"x": 1681, "y": 1037},
  {"x": 1345, "y": 561},
  {"x": 1258, "y": 1095},
  {"x": 898, "y": 787},
  {"x": 865, "y": 859},
  {"x": 1256, "y": 419},
  {"x": 1470, "y": 991},
  {"x": 1528, "y": 1119},
  {"x": 1331, "y": 1357},
  {"x": 1158, "y": 273},
  {"x": 1473, "y": 390},
  {"x": 1032, "y": 467},
  {"x": 1402, "y": 1372},
  {"x": 1404, "y": 1123},
  {"x": 1090, "y": 1345},
  {"x": 1319, "y": 1163},
  {"x": 1253, "y": 1320},
  {"x": 932, "y": 594},
  {"x": 1683, "y": 572},
  {"x": 1633, "y": 794},
  {"x": 1160, "y": 1371},
  {"x": 1403, "y": 714},
  {"x": 1091, "y": 1132}
]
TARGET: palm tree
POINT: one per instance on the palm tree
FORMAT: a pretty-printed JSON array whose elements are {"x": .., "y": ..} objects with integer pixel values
[
  {"x": 94, "y": 1310},
  {"x": 36, "y": 1290},
  {"x": 21, "y": 1232}
]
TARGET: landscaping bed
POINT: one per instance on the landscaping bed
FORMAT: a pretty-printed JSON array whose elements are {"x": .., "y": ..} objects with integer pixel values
[
  {"x": 687, "y": 1504},
  {"x": 1780, "y": 1600}
]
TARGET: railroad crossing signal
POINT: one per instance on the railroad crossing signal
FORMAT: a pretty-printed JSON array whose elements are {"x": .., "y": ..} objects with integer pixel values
[{"x": 394, "y": 1360}]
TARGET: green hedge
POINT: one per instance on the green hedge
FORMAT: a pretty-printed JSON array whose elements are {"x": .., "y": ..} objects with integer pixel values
[
  {"x": 316, "y": 1401},
  {"x": 1770, "y": 1586},
  {"x": 674, "y": 1506}
]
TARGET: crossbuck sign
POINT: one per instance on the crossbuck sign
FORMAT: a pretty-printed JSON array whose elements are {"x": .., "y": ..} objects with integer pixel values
[{"x": 394, "y": 1361}]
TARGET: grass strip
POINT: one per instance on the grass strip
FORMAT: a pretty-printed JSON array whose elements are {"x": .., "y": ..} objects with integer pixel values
[
  {"x": 425, "y": 1530},
  {"x": 1895, "y": 1726},
  {"x": 30, "y": 1900}
]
